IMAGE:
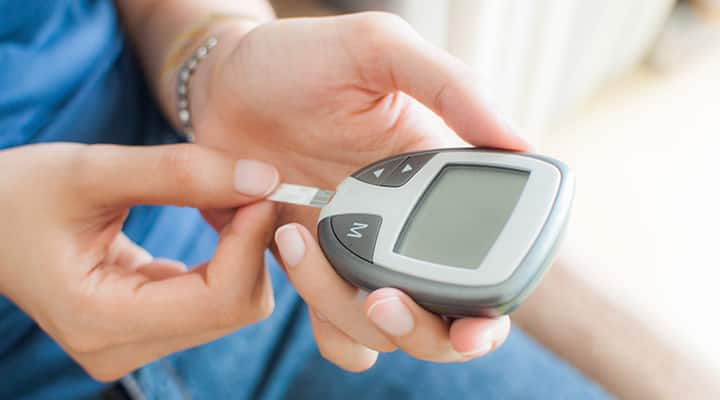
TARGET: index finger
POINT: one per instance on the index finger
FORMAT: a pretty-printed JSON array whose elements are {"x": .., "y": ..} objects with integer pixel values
[{"x": 179, "y": 174}]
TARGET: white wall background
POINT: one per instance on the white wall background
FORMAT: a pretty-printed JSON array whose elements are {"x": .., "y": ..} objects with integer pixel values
[{"x": 540, "y": 58}]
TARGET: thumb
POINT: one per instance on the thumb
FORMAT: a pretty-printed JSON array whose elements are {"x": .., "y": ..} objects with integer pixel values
[
  {"x": 183, "y": 175},
  {"x": 402, "y": 60},
  {"x": 232, "y": 289}
]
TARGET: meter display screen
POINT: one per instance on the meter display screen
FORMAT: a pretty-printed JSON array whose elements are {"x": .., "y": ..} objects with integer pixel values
[{"x": 461, "y": 215}]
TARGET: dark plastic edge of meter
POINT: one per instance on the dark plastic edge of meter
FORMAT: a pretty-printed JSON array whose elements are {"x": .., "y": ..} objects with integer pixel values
[{"x": 456, "y": 300}]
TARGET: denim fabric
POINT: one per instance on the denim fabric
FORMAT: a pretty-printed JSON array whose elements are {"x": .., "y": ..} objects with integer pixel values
[
  {"x": 66, "y": 74},
  {"x": 277, "y": 358}
]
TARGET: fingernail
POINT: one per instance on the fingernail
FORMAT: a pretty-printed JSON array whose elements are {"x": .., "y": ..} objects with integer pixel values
[
  {"x": 142, "y": 257},
  {"x": 483, "y": 348},
  {"x": 255, "y": 178},
  {"x": 391, "y": 316},
  {"x": 493, "y": 334},
  {"x": 290, "y": 245}
]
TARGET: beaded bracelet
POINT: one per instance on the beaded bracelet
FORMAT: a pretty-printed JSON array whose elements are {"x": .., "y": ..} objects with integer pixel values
[
  {"x": 182, "y": 86},
  {"x": 187, "y": 68}
]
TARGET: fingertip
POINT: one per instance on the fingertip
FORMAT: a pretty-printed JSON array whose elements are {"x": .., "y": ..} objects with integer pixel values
[
  {"x": 502, "y": 139},
  {"x": 255, "y": 178},
  {"x": 475, "y": 337},
  {"x": 362, "y": 362},
  {"x": 291, "y": 244},
  {"x": 482, "y": 123},
  {"x": 339, "y": 348},
  {"x": 518, "y": 143}
]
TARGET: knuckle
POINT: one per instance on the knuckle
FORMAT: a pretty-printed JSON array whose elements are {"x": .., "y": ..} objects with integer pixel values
[
  {"x": 374, "y": 38},
  {"x": 438, "y": 102},
  {"x": 379, "y": 21},
  {"x": 242, "y": 309},
  {"x": 83, "y": 169},
  {"x": 179, "y": 160},
  {"x": 381, "y": 31}
]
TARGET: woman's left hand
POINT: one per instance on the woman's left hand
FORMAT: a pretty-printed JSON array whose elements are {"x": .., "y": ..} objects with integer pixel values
[
  {"x": 345, "y": 320},
  {"x": 320, "y": 98}
]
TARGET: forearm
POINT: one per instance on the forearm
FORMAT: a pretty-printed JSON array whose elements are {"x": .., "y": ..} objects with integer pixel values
[
  {"x": 154, "y": 26},
  {"x": 609, "y": 344}
]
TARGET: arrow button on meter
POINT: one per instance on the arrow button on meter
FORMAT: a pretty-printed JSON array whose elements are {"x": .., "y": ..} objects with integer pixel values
[
  {"x": 406, "y": 170},
  {"x": 376, "y": 173}
]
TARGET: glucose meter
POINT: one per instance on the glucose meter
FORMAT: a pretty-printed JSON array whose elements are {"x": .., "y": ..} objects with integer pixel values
[{"x": 464, "y": 232}]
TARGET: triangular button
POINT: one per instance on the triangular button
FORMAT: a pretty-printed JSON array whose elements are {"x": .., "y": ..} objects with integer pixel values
[
  {"x": 407, "y": 168},
  {"x": 376, "y": 173}
]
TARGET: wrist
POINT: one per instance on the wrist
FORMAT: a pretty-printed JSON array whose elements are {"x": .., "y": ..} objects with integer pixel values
[
  {"x": 208, "y": 78},
  {"x": 195, "y": 90}
]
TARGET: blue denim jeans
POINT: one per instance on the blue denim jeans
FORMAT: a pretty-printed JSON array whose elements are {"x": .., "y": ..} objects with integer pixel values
[{"x": 277, "y": 358}]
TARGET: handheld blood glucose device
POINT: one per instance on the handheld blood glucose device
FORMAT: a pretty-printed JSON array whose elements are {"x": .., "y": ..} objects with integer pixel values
[{"x": 464, "y": 232}]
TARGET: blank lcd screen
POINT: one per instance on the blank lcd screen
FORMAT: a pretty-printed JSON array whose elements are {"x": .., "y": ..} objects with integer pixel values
[{"x": 461, "y": 215}]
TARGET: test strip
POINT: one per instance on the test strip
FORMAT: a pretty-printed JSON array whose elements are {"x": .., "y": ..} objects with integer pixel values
[{"x": 302, "y": 195}]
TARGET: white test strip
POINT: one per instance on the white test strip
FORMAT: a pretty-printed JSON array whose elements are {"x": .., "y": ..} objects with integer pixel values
[{"x": 302, "y": 195}]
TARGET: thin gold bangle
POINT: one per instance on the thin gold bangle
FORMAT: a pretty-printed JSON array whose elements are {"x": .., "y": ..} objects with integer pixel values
[{"x": 192, "y": 35}]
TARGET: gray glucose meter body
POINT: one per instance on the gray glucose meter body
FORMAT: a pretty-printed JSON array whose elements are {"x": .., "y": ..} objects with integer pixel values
[{"x": 464, "y": 232}]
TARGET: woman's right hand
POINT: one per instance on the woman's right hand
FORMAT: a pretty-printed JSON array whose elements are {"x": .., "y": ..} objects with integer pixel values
[{"x": 65, "y": 261}]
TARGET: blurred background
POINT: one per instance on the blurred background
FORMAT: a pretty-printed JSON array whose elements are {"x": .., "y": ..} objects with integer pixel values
[{"x": 628, "y": 94}]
